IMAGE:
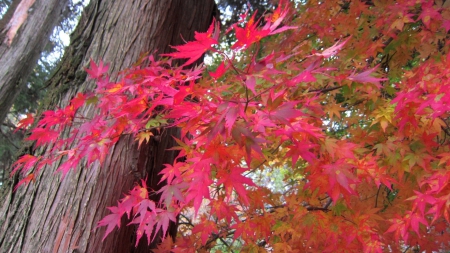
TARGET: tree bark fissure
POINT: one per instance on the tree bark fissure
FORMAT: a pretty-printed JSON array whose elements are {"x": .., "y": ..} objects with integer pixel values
[
  {"x": 61, "y": 215},
  {"x": 19, "y": 56}
]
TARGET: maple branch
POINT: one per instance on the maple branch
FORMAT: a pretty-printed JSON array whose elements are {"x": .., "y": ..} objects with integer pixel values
[
  {"x": 345, "y": 218},
  {"x": 330, "y": 200},
  {"x": 446, "y": 131},
  {"x": 263, "y": 162},
  {"x": 407, "y": 248},
  {"x": 376, "y": 199},
  {"x": 226, "y": 244},
  {"x": 188, "y": 221},
  {"x": 316, "y": 208},
  {"x": 264, "y": 91},
  {"x": 9, "y": 139},
  {"x": 231, "y": 64},
  {"x": 215, "y": 236},
  {"x": 246, "y": 98},
  {"x": 325, "y": 90}
]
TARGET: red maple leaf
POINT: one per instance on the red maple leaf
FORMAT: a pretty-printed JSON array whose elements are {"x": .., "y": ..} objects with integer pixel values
[
  {"x": 193, "y": 50},
  {"x": 43, "y": 136},
  {"x": 25, "y": 180},
  {"x": 219, "y": 71},
  {"x": 233, "y": 179},
  {"x": 26, "y": 122},
  {"x": 250, "y": 33},
  {"x": 206, "y": 228}
]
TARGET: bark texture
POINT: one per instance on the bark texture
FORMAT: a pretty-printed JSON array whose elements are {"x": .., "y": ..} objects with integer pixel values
[
  {"x": 54, "y": 215},
  {"x": 24, "y": 32}
]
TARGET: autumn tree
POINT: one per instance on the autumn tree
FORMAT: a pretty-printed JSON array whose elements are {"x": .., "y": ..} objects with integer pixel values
[
  {"x": 59, "y": 215},
  {"x": 324, "y": 128}
]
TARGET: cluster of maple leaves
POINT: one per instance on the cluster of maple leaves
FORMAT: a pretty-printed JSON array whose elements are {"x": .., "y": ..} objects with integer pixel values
[{"x": 348, "y": 98}]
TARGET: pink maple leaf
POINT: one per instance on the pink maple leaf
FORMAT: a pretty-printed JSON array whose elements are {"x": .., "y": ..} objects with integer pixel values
[
  {"x": 333, "y": 50},
  {"x": 366, "y": 77},
  {"x": 163, "y": 219},
  {"x": 97, "y": 71},
  {"x": 111, "y": 221}
]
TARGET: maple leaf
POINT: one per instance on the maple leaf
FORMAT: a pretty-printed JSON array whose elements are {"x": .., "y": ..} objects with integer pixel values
[
  {"x": 400, "y": 227},
  {"x": 243, "y": 228},
  {"x": 26, "y": 162},
  {"x": 219, "y": 71},
  {"x": 223, "y": 210},
  {"x": 233, "y": 179},
  {"x": 166, "y": 246},
  {"x": 334, "y": 110},
  {"x": 206, "y": 228},
  {"x": 25, "y": 122},
  {"x": 366, "y": 77},
  {"x": 249, "y": 34},
  {"x": 429, "y": 13},
  {"x": 43, "y": 136},
  {"x": 402, "y": 20},
  {"x": 171, "y": 171},
  {"x": 173, "y": 190},
  {"x": 250, "y": 83},
  {"x": 111, "y": 221},
  {"x": 305, "y": 76},
  {"x": 25, "y": 180},
  {"x": 277, "y": 17},
  {"x": 340, "y": 172},
  {"x": 415, "y": 220},
  {"x": 199, "y": 187},
  {"x": 193, "y": 50},
  {"x": 163, "y": 219},
  {"x": 446, "y": 25},
  {"x": 333, "y": 50},
  {"x": 420, "y": 200},
  {"x": 302, "y": 149},
  {"x": 285, "y": 112},
  {"x": 95, "y": 71},
  {"x": 143, "y": 135},
  {"x": 147, "y": 214}
]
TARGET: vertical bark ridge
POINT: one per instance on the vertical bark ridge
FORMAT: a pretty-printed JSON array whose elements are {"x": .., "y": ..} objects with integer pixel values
[{"x": 18, "y": 58}]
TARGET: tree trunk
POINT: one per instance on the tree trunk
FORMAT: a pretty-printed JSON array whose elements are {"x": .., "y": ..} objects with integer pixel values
[
  {"x": 53, "y": 215},
  {"x": 24, "y": 32}
]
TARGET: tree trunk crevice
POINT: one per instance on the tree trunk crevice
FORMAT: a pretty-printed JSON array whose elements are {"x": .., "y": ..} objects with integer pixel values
[
  {"x": 19, "y": 57},
  {"x": 60, "y": 215}
]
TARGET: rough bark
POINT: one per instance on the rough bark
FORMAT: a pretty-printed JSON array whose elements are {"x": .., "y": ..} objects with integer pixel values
[
  {"x": 54, "y": 215},
  {"x": 24, "y": 32}
]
